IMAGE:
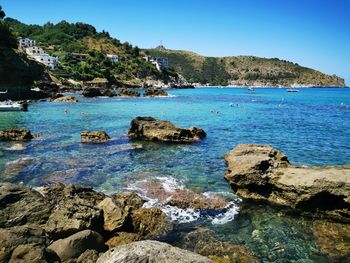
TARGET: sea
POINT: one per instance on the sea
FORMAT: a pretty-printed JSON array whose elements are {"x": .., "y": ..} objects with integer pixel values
[{"x": 312, "y": 127}]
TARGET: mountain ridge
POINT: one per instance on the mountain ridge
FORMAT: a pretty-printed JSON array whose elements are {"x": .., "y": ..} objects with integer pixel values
[{"x": 244, "y": 70}]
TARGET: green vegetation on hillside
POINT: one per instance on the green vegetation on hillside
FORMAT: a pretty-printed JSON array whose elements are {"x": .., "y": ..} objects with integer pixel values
[
  {"x": 243, "y": 70},
  {"x": 7, "y": 38},
  {"x": 66, "y": 40}
]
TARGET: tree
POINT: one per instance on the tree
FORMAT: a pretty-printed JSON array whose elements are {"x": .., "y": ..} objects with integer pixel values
[{"x": 2, "y": 13}]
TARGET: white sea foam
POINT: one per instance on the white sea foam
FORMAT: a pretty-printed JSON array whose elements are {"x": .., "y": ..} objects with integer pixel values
[
  {"x": 229, "y": 215},
  {"x": 186, "y": 215},
  {"x": 170, "y": 184}
]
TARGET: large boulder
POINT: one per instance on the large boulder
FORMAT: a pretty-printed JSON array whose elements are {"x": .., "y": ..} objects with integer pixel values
[
  {"x": 113, "y": 214},
  {"x": 34, "y": 253},
  {"x": 150, "y": 222},
  {"x": 75, "y": 209},
  {"x": 94, "y": 137},
  {"x": 150, "y": 129},
  {"x": 91, "y": 92},
  {"x": 12, "y": 237},
  {"x": 155, "y": 92},
  {"x": 20, "y": 205},
  {"x": 150, "y": 252},
  {"x": 260, "y": 172},
  {"x": 73, "y": 246},
  {"x": 15, "y": 134}
]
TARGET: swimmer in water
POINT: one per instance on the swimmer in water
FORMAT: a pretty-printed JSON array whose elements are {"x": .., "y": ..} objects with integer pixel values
[{"x": 65, "y": 111}]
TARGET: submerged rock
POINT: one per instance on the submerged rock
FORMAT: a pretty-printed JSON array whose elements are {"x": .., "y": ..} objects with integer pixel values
[
  {"x": 333, "y": 239},
  {"x": 204, "y": 242},
  {"x": 73, "y": 246},
  {"x": 69, "y": 99},
  {"x": 94, "y": 137},
  {"x": 260, "y": 172},
  {"x": 150, "y": 252},
  {"x": 154, "y": 92},
  {"x": 150, "y": 129},
  {"x": 15, "y": 134}
]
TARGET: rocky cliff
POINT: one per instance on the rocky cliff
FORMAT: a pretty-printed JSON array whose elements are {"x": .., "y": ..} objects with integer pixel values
[{"x": 18, "y": 73}]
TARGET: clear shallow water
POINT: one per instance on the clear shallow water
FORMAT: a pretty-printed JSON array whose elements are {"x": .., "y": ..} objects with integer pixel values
[{"x": 312, "y": 127}]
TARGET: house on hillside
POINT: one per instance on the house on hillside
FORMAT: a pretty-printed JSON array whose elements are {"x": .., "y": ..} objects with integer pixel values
[
  {"x": 41, "y": 56},
  {"x": 160, "y": 63},
  {"x": 34, "y": 51},
  {"x": 113, "y": 58},
  {"x": 26, "y": 42},
  {"x": 48, "y": 60},
  {"x": 78, "y": 57}
]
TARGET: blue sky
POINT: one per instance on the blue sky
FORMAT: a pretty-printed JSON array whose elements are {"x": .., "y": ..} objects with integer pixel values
[{"x": 312, "y": 33}]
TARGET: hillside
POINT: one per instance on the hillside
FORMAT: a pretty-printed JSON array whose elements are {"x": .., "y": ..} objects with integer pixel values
[
  {"x": 244, "y": 70},
  {"x": 64, "y": 40}
]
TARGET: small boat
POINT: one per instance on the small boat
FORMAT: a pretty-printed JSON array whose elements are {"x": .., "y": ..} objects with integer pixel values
[
  {"x": 250, "y": 89},
  {"x": 292, "y": 90},
  {"x": 12, "y": 106}
]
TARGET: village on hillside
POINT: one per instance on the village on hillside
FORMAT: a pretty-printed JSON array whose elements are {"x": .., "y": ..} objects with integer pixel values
[{"x": 34, "y": 51}]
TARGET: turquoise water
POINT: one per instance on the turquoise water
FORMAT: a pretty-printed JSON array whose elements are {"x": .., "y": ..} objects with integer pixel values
[{"x": 312, "y": 127}]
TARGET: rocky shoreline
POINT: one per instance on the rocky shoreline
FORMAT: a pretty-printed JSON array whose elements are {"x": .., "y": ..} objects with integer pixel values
[{"x": 67, "y": 223}]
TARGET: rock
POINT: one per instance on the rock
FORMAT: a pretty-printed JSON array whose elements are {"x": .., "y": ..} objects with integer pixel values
[
  {"x": 12, "y": 237},
  {"x": 69, "y": 99},
  {"x": 73, "y": 246},
  {"x": 225, "y": 252},
  {"x": 91, "y": 92},
  {"x": 154, "y": 92},
  {"x": 204, "y": 242},
  {"x": 150, "y": 252},
  {"x": 14, "y": 168},
  {"x": 150, "y": 129},
  {"x": 128, "y": 93},
  {"x": 262, "y": 173},
  {"x": 128, "y": 199},
  {"x": 123, "y": 238},
  {"x": 20, "y": 205},
  {"x": 33, "y": 253},
  {"x": 114, "y": 215},
  {"x": 333, "y": 239},
  {"x": 94, "y": 137},
  {"x": 15, "y": 147},
  {"x": 89, "y": 256},
  {"x": 150, "y": 222},
  {"x": 75, "y": 210},
  {"x": 15, "y": 134},
  {"x": 201, "y": 234},
  {"x": 108, "y": 92}
]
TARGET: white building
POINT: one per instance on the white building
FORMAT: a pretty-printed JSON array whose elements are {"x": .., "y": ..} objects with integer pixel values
[
  {"x": 35, "y": 51},
  {"x": 160, "y": 63},
  {"x": 41, "y": 56},
  {"x": 26, "y": 42},
  {"x": 47, "y": 60},
  {"x": 113, "y": 58}
]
